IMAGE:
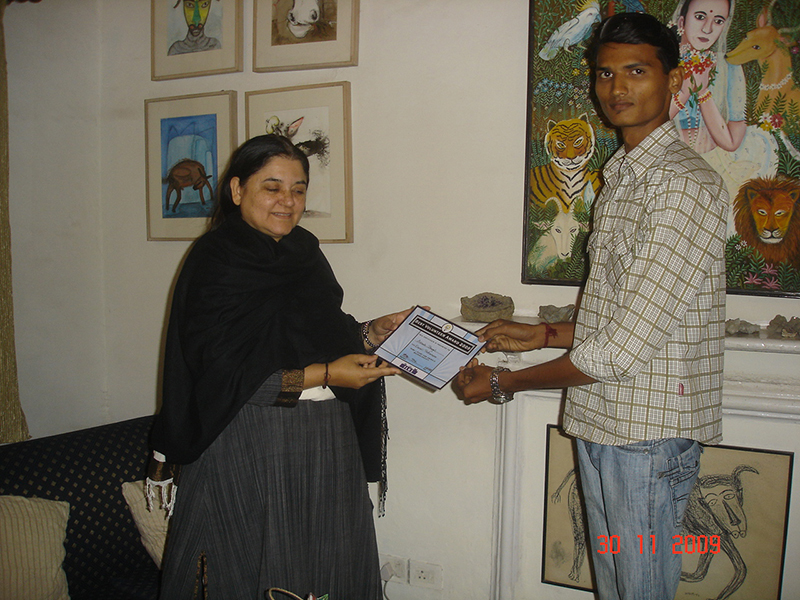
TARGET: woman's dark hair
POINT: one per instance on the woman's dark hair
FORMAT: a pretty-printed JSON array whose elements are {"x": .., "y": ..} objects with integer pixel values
[
  {"x": 246, "y": 160},
  {"x": 636, "y": 28}
]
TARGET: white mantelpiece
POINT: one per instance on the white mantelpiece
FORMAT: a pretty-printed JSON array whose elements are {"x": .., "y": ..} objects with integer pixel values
[{"x": 771, "y": 397}]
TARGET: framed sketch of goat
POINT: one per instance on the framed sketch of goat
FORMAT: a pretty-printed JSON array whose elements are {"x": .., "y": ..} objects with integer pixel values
[
  {"x": 304, "y": 34},
  {"x": 749, "y": 66},
  {"x": 190, "y": 38},
  {"x": 186, "y": 137},
  {"x": 733, "y": 543},
  {"x": 317, "y": 119}
]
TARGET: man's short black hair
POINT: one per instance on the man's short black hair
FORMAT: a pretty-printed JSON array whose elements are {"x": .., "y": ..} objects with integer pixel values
[{"x": 636, "y": 28}]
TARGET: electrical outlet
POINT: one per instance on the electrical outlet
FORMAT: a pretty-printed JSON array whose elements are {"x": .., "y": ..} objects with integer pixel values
[
  {"x": 398, "y": 565},
  {"x": 422, "y": 574}
]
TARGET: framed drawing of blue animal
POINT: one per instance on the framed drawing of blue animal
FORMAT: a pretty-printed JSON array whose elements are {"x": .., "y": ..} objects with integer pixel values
[
  {"x": 743, "y": 67},
  {"x": 304, "y": 34}
]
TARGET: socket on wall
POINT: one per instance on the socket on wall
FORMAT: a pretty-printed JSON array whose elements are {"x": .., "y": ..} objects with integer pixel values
[{"x": 427, "y": 575}]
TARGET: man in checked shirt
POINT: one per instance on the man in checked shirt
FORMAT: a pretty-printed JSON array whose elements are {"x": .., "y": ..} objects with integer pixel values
[{"x": 644, "y": 370}]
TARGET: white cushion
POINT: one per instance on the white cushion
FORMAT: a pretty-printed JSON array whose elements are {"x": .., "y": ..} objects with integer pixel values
[
  {"x": 152, "y": 525},
  {"x": 32, "y": 534}
]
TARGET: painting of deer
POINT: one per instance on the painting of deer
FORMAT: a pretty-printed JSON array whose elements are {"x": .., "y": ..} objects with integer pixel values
[{"x": 770, "y": 47}]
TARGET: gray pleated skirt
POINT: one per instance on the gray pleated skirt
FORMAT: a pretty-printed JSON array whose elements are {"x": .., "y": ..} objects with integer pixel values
[{"x": 278, "y": 500}]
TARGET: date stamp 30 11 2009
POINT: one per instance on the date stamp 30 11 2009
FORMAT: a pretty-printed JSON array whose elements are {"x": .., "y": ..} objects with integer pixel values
[{"x": 681, "y": 544}]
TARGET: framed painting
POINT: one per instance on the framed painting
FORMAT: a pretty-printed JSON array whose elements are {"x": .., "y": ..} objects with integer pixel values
[
  {"x": 190, "y": 38},
  {"x": 188, "y": 140},
  {"x": 317, "y": 119},
  {"x": 748, "y": 67},
  {"x": 734, "y": 536},
  {"x": 304, "y": 34},
  {"x": 565, "y": 548}
]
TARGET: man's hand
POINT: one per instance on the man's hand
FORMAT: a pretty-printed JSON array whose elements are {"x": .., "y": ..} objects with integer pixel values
[
  {"x": 510, "y": 336},
  {"x": 472, "y": 383}
]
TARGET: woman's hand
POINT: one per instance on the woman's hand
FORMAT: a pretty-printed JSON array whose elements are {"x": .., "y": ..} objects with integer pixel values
[
  {"x": 357, "y": 370},
  {"x": 700, "y": 80},
  {"x": 509, "y": 336},
  {"x": 380, "y": 328}
]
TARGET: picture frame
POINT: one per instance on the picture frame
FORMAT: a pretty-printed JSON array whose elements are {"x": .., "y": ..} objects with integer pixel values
[
  {"x": 565, "y": 539},
  {"x": 314, "y": 34},
  {"x": 188, "y": 140},
  {"x": 754, "y": 485},
  {"x": 560, "y": 109},
  {"x": 317, "y": 119},
  {"x": 179, "y": 50}
]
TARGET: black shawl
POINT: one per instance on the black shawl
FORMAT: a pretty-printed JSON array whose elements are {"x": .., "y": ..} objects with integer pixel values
[{"x": 244, "y": 307}]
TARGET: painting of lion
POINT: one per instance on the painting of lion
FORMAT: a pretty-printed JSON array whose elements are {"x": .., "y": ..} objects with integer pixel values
[{"x": 767, "y": 217}]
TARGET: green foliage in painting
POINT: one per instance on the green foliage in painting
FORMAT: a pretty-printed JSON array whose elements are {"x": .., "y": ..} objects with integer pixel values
[{"x": 747, "y": 270}]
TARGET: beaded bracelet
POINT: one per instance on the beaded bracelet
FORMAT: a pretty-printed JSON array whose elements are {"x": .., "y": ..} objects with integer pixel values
[
  {"x": 327, "y": 377},
  {"x": 365, "y": 334}
]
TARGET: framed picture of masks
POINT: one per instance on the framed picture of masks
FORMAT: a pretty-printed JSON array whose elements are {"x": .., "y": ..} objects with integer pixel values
[
  {"x": 304, "y": 34},
  {"x": 733, "y": 543},
  {"x": 190, "y": 38},
  {"x": 746, "y": 69},
  {"x": 316, "y": 118},
  {"x": 188, "y": 140}
]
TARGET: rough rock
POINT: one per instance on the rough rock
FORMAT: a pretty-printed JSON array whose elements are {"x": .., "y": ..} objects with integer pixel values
[
  {"x": 781, "y": 329},
  {"x": 556, "y": 314},
  {"x": 738, "y": 327},
  {"x": 486, "y": 307}
]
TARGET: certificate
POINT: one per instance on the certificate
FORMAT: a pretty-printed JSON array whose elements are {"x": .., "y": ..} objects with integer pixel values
[{"x": 430, "y": 348}]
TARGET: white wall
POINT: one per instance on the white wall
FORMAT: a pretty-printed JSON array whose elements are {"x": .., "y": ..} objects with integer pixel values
[{"x": 439, "y": 102}]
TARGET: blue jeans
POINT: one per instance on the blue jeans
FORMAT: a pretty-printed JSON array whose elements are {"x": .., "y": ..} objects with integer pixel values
[{"x": 635, "y": 497}]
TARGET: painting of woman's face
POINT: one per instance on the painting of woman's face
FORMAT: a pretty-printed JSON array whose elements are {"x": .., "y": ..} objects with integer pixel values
[{"x": 704, "y": 22}]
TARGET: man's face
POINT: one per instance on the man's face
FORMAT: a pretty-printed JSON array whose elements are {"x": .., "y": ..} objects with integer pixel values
[
  {"x": 633, "y": 90},
  {"x": 196, "y": 14}
]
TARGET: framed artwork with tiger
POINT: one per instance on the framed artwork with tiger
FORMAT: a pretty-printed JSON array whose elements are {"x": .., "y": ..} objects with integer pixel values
[{"x": 743, "y": 66}]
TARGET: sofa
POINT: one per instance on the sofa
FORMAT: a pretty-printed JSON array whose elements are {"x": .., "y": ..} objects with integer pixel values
[{"x": 79, "y": 474}]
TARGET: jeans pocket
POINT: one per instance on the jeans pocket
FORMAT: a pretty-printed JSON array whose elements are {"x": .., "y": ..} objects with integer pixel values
[{"x": 682, "y": 478}]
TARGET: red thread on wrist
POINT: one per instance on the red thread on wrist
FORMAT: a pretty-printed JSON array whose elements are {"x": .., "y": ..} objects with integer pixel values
[{"x": 548, "y": 333}]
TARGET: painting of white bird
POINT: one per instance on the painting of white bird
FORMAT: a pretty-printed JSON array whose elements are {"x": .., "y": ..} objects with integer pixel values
[{"x": 572, "y": 32}]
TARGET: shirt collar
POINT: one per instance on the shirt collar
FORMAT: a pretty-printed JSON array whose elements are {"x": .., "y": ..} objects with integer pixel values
[{"x": 647, "y": 153}]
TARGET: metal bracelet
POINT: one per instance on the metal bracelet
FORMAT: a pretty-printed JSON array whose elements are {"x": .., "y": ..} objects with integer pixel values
[{"x": 498, "y": 395}]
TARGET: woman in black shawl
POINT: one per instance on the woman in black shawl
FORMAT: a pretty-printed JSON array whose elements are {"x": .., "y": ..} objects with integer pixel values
[{"x": 272, "y": 405}]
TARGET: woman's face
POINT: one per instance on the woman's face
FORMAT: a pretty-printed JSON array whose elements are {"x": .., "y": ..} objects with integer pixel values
[
  {"x": 704, "y": 22},
  {"x": 273, "y": 199}
]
